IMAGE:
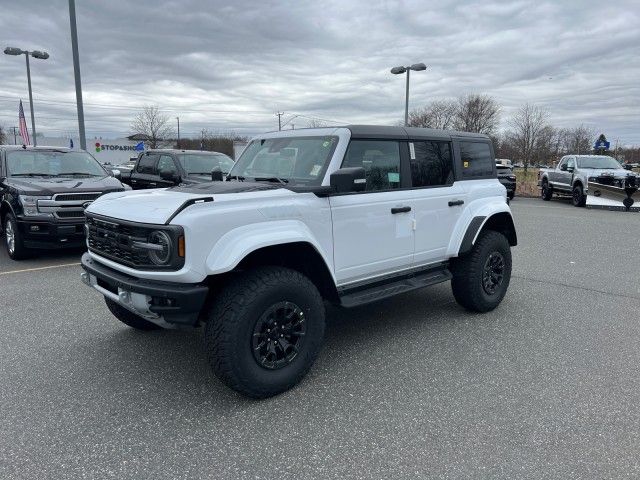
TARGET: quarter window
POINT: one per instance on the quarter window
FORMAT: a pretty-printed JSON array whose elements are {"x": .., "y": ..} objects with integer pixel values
[
  {"x": 380, "y": 160},
  {"x": 476, "y": 160},
  {"x": 147, "y": 164},
  {"x": 166, "y": 164},
  {"x": 431, "y": 164}
]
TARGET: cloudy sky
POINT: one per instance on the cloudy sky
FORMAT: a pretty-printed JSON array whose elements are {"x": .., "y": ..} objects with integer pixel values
[{"x": 231, "y": 65}]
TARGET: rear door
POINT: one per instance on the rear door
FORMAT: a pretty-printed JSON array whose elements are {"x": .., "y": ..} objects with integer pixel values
[
  {"x": 372, "y": 230},
  {"x": 145, "y": 175},
  {"x": 437, "y": 199}
]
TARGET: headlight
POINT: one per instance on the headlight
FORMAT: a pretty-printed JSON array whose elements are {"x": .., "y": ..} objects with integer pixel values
[
  {"x": 30, "y": 204},
  {"x": 160, "y": 253}
]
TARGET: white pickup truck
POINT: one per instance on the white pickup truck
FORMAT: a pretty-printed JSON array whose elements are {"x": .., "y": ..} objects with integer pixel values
[{"x": 346, "y": 215}]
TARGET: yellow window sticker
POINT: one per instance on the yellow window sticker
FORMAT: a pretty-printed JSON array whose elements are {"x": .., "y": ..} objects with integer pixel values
[{"x": 466, "y": 164}]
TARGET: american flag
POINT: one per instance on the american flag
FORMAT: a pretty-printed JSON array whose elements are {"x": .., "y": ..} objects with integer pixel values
[{"x": 24, "y": 133}]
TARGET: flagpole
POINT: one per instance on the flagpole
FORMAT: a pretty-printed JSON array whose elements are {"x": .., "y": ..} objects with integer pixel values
[{"x": 33, "y": 120}]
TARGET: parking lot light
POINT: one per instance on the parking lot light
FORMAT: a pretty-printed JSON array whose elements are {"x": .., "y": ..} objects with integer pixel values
[{"x": 417, "y": 67}]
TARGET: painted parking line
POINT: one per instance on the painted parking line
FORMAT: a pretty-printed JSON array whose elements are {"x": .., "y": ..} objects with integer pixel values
[{"x": 35, "y": 269}]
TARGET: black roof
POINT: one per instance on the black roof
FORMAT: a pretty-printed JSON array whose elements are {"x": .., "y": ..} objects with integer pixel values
[
  {"x": 176, "y": 150},
  {"x": 43, "y": 147},
  {"x": 377, "y": 131}
]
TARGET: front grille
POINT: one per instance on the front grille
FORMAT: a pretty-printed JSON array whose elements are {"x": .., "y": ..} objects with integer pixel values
[
  {"x": 69, "y": 213},
  {"x": 114, "y": 240},
  {"x": 76, "y": 197}
]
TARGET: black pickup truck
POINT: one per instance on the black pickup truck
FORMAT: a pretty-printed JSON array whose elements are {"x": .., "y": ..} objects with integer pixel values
[
  {"x": 167, "y": 167},
  {"x": 43, "y": 194}
]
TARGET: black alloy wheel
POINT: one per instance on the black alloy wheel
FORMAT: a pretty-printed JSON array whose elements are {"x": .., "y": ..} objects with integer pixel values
[
  {"x": 278, "y": 335},
  {"x": 493, "y": 273}
]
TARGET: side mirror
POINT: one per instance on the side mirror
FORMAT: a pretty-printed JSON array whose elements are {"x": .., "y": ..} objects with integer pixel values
[
  {"x": 345, "y": 180},
  {"x": 216, "y": 175},
  {"x": 563, "y": 167},
  {"x": 170, "y": 176},
  {"x": 627, "y": 166},
  {"x": 115, "y": 173}
]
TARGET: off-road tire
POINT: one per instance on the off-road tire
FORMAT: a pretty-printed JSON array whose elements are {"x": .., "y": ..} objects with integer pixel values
[
  {"x": 234, "y": 315},
  {"x": 578, "y": 198},
  {"x": 468, "y": 271},
  {"x": 129, "y": 318},
  {"x": 19, "y": 251},
  {"x": 546, "y": 192},
  {"x": 510, "y": 195}
]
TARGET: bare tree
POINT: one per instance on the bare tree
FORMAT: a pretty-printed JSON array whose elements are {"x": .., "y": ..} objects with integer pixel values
[
  {"x": 528, "y": 125},
  {"x": 316, "y": 123},
  {"x": 477, "y": 113},
  {"x": 578, "y": 140},
  {"x": 3, "y": 136},
  {"x": 155, "y": 125},
  {"x": 437, "y": 114}
]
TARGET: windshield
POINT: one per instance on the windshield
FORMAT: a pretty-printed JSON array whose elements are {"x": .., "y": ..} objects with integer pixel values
[
  {"x": 202, "y": 163},
  {"x": 298, "y": 160},
  {"x": 598, "y": 162},
  {"x": 52, "y": 163}
]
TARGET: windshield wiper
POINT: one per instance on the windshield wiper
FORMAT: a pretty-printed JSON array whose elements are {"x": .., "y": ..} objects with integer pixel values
[
  {"x": 71, "y": 174},
  {"x": 31, "y": 175},
  {"x": 283, "y": 181},
  {"x": 236, "y": 177}
]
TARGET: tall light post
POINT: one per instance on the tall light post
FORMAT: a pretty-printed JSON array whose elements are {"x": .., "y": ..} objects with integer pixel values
[
  {"x": 76, "y": 73},
  {"x": 399, "y": 70},
  {"x": 35, "y": 54},
  {"x": 178, "y": 119}
]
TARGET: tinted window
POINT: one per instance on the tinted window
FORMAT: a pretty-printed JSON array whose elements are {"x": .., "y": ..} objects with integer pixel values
[
  {"x": 571, "y": 163},
  {"x": 203, "y": 163},
  {"x": 166, "y": 164},
  {"x": 432, "y": 165},
  {"x": 476, "y": 160},
  {"x": 380, "y": 160},
  {"x": 147, "y": 164}
]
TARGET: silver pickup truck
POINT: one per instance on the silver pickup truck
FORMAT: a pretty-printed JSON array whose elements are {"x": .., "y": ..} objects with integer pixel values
[{"x": 599, "y": 176}]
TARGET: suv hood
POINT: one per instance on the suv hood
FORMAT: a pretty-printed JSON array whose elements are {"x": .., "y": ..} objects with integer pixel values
[
  {"x": 159, "y": 205},
  {"x": 51, "y": 186},
  {"x": 617, "y": 173}
]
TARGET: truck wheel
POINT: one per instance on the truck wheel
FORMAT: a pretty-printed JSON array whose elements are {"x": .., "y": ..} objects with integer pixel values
[
  {"x": 129, "y": 318},
  {"x": 510, "y": 195},
  {"x": 13, "y": 239},
  {"x": 546, "y": 192},
  {"x": 579, "y": 198},
  {"x": 481, "y": 278},
  {"x": 264, "y": 331}
]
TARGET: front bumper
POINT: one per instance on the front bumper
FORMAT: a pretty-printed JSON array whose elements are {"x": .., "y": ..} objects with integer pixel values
[
  {"x": 166, "y": 304},
  {"x": 51, "y": 233}
]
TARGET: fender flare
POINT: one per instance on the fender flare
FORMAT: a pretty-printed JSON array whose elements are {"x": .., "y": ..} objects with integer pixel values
[
  {"x": 236, "y": 244},
  {"x": 498, "y": 220},
  {"x": 6, "y": 205}
]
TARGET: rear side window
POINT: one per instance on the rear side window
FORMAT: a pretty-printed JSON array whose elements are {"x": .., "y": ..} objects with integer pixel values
[
  {"x": 380, "y": 160},
  {"x": 147, "y": 164},
  {"x": 476, "y": 160},
  {"x": 431, "y": 164}
]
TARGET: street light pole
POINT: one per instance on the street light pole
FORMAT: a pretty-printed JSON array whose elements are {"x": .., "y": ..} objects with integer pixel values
[
  {"x": 398, "y": 70},
  {"x": 178, "y": 119},
  {"x": 76, "y": 72},
  {"x": 35, "y": 54}
]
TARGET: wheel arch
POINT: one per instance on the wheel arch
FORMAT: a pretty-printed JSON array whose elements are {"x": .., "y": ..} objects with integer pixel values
[{"x": 501, "y": 222}]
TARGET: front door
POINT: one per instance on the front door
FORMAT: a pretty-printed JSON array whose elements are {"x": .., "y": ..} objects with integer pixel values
[{"x": 373, "y": 230}]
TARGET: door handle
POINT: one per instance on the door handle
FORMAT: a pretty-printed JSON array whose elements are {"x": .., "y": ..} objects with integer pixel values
[
  {"x": 153, "y": 184},
  {"x": 455, "y": 203},
  {"x": 395, "y": 210}
]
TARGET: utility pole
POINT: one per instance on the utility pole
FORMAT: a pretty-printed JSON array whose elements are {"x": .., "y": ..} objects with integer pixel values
[
  {"x": 15, "y": 135},
  {"x": 76, "y": 72},
  {"x": 178, "y": 118},
  {"x": 202, "y": 140},
  {"x": 279, "y": 115}
]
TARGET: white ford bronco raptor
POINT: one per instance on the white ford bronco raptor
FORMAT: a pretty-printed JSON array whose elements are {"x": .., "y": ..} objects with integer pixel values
[{"x": 346, "y": 215}]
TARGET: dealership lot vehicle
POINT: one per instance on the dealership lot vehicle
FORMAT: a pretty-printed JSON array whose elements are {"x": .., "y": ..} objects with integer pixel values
[
  {"x": 575, "y": 174},
  {"x": 166, "y": 168},
  {"x": 344, "y": 215},
  {"x": 43, "y": 194},
  {"x": 507, "y": 178}
]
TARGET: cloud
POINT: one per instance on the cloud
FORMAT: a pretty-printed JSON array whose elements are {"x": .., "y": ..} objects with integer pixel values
[{"x": 231, "y": 66}]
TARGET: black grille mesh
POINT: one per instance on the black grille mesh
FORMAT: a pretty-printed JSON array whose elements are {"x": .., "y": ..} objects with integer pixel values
[
  {"x": 79, "y": 197},
  {"x": 115, "y": 241}
]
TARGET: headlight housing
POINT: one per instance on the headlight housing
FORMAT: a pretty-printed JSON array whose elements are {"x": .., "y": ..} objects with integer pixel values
[
  {"x": 30, "y": 205},
  {"x": 160, "y": 247}
]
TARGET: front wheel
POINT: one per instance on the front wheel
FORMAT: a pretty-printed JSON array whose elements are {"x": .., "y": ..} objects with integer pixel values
[
  {"x": 13, "y": 239},
  {"x": 579, "y": 198},
  {"x": 546, "y": 192},
  {"x": 481, "y": 278},
  {"x": 265, "y": 331}
]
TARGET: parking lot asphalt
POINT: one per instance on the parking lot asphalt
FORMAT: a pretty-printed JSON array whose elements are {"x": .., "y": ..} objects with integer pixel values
[{"x": 545, "y": 386}]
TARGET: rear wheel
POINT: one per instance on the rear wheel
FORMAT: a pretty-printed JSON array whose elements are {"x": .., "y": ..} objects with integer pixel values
[
  {"x": 13, "y": 239},
  {"x": 511, "y": 195},
  {"x": 128, "y": 317},
  {"x": 481, "y": 278},
  {"x": 578, "y": 197},
  {"x": 265, "y": 331},
  {"x": 546, "y": 191}
]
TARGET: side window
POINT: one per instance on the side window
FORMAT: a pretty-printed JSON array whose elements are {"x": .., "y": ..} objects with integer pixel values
[
  {"x": 166, "y": 164},
  {"x": 147, "y": 164},
  {"x": 476, "y": 160},
  {"x": 571, "y": 163},
  {"x": 379, "y": 158},
  {"x": 431, "y": 164},
  {"x": 563, "y": 161}
]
